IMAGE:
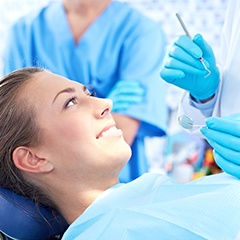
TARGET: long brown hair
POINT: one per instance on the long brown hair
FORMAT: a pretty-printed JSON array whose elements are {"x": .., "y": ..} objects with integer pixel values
[{"x": 17, "y": 128}]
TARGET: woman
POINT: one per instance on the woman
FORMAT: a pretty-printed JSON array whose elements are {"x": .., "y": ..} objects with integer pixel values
[
  {"x": 60, "y": 146},
  {"x": 107, "y": 46}
]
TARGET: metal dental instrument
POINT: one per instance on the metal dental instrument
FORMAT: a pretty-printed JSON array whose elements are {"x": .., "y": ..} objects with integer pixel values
[
  {"x": 187, "y": 33},
  {"x": 187, "y": 123}
]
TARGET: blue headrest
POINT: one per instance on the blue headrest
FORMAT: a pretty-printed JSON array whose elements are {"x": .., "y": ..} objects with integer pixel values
[{"x": 20, "y": 218}]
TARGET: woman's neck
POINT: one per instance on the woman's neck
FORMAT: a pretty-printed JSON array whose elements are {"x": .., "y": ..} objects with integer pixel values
[
  {"x": 73, "y": 198},
  {"x": 73, "y": 206}
]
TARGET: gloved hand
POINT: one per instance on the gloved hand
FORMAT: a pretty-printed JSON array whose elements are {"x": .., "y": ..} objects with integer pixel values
[
  {"x": 183, "y": 68},
  {"x": 223, "y": 134},
  {"x": 126, "y": 93}
]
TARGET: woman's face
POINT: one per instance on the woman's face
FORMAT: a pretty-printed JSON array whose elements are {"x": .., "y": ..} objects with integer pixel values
[{"x": 79, "y": 134}]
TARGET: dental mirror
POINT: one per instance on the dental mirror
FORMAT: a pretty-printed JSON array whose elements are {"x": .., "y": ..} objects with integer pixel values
[{"x": 186, "y": 122}]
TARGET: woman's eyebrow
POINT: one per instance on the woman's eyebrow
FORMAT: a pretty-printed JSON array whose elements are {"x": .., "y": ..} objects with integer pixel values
[
  {"x": 66, "y": 90},
  {"x": 84, "y": 88},
  {"x": 69, "y": 90}
]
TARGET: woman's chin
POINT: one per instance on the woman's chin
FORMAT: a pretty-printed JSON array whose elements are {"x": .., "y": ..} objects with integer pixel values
[{"x": 124, "y": 153}]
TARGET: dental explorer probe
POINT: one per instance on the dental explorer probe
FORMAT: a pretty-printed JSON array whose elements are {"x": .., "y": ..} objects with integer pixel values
[{"x": 187, "y": 33}]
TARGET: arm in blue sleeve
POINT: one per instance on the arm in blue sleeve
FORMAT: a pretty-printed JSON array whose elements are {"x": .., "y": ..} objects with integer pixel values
[{"x": 142, "y": 56}]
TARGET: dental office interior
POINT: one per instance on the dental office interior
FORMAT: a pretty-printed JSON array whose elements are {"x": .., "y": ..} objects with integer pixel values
[{"x": 179, "y": 154}]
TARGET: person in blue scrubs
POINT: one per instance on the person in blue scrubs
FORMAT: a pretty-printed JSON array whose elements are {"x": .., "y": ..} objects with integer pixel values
[
  {"x": 62, "y": 145},
  {"x": 109, "y": 47}
]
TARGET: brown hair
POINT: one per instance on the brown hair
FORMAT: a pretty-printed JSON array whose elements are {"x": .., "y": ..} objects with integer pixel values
[{"x": 17, "y": 128}]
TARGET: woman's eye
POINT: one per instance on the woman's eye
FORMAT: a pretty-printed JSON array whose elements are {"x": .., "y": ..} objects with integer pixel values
[
  {"x": 93, "y": 94},
  {"x": 72, "y": 101}
]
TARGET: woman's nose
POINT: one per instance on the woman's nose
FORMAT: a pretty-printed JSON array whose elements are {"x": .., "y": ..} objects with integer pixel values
[{"x": 105, "y": 107}]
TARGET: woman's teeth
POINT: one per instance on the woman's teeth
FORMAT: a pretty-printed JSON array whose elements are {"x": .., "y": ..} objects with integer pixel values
[{"x": 112, "y": 131}]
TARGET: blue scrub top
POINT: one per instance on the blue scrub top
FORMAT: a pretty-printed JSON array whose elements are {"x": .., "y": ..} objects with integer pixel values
[
  {"x": 121, "y": 44},
  {"x": 155, "y": 207}
]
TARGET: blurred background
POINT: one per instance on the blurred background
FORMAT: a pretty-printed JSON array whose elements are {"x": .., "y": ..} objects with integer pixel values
[{"x": 181, "y": 155}]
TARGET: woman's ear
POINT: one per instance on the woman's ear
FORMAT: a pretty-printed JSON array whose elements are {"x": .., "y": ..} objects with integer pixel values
[{"x": 25, "y": 159}]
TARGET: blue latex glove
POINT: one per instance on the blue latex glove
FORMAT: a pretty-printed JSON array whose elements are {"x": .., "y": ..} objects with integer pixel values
[
  {"x": 183, "y": 68},
  {"x": 223, "y": 134},
  {"x": 126, "y": 93}
]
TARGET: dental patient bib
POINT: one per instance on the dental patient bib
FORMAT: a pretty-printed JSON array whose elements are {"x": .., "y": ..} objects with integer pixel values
[{"x": 155, "y": 207}]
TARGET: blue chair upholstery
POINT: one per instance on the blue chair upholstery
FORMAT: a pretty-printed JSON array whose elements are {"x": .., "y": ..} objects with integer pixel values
[{"x": 20, "y": 218}]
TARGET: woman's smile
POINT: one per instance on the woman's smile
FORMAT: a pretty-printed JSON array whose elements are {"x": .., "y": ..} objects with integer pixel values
[{"x": 110, "y": 132}]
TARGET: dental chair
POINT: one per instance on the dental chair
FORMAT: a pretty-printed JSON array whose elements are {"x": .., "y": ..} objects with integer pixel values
[{"x": 22, "y": 219}]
